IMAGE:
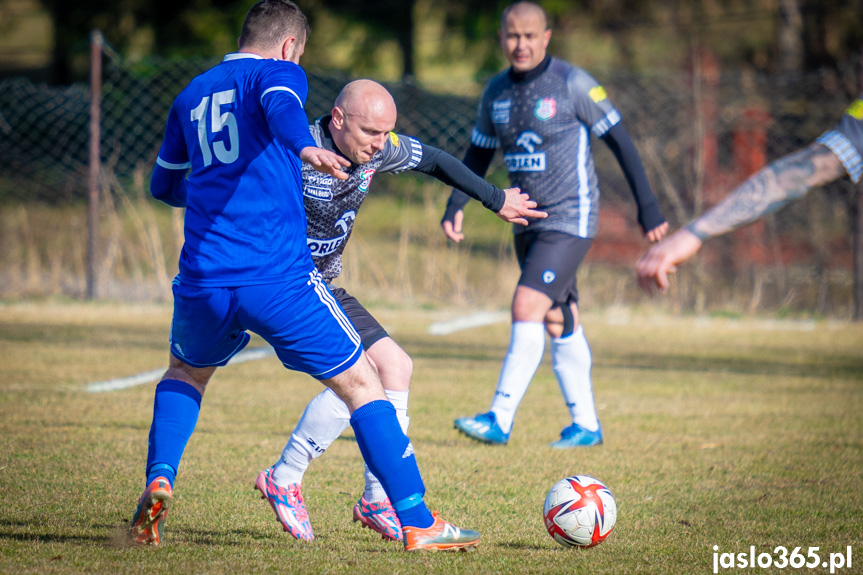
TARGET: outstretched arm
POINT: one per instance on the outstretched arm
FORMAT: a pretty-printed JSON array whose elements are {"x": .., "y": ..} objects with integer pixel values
[
  {"x": 510, "y": 205},
  {"x": 787, "y": 179}
]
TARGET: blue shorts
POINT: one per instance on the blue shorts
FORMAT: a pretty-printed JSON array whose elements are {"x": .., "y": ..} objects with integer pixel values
[{"x": 300, "y": 319}]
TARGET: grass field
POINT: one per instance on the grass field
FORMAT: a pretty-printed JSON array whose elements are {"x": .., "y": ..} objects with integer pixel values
[{"x": 734, "y": 433}]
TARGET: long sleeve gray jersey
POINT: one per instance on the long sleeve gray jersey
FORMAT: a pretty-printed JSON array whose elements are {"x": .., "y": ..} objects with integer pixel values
[
  {"x": 846, "y": 140},
  {"x": 332, "y": 204},
  {"x": 543, "y": 127}
]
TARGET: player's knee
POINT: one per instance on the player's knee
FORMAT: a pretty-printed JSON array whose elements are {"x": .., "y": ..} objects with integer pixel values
[
  {"x": 396, "y": 371},
  {"x": 561, "y": 321},
  {"x": 195, "y": 376}
]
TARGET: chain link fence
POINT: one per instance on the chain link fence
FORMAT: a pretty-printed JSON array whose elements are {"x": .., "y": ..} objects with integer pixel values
[{"x": 699, "y": 134}]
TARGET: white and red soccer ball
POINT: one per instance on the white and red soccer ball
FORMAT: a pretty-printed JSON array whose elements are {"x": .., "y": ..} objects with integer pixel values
[{"x": 579, "y": 511}]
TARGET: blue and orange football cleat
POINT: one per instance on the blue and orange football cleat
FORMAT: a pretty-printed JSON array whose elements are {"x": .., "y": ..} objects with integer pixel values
[
  {"x": 440, "y": 536},
  {"x": 149, "y": 520},
  {"x": 380, "y": 517},
  {"x": 577, "y": 436},
  {"x": 482, "y": 427},
  {"x": 288, "y": 504}
]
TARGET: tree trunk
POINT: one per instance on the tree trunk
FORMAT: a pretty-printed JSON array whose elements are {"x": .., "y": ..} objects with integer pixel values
[{"x": 790, "y": 36}]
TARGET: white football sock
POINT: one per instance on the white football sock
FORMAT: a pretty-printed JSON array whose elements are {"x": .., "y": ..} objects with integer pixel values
[
  {"x": 526, "y": 346},
  {"x": 325, "y": 418},
  {"x": 572, "y": 361},
  {"x": 374, "y": 491}
]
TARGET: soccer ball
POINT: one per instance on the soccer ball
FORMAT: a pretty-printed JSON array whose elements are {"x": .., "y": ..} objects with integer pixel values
[{"x": 579, "y": 511}]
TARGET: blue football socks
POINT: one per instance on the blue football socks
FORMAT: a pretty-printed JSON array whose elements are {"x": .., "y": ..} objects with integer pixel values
[
  {"x": 175, "y": 414},
  {"x": 392, "y": 461}
]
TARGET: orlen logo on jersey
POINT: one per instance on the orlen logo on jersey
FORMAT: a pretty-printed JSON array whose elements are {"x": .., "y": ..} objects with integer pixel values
[
  {"x": 318, "y": 186},
  {"x": 530, "y": 162},
  {"x": 324, "y": 247}
]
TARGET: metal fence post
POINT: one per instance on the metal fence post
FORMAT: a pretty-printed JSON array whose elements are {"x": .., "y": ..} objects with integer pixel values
[
  {"x": 95, "y": 161},
  {"x": 858, "y": 229}
]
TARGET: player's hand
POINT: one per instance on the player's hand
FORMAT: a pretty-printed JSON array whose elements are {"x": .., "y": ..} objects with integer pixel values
[
  {"x": 325, "y": 161},
  {"x": 657, "y": 233},
  {"x": 663, "y": 258},
  {"x": 452, "y": 229},
  {"x": 518, "y": 207}
]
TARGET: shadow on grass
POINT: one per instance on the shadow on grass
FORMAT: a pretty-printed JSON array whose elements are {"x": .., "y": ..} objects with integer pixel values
[
  {"x": 23, "y": 532},
  {"x": 844, "y": 367}
]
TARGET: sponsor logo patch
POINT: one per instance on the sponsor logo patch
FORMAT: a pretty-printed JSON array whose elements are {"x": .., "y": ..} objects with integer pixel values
[
  {"x": 500, "y": 111},
  {"x": 548, "y": 276},
  {"x": 597, "y": 94},
  {"x": 318, "y": 186},
  {"x": 855, "y": 110},
  {"x": 530, "y": 162},
  {"x": 321, "y": 247},
  {"x": 394, "y": 139},
  {"x": 545, "y": 109},
  {"x": 525, "y": 162}
]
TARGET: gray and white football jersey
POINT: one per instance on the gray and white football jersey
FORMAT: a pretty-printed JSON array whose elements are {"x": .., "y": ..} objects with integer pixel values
[
  {"x": 332, "y": 205},
  {"x": 846, "y": 140},
  {"x": 543, "y": 126}
]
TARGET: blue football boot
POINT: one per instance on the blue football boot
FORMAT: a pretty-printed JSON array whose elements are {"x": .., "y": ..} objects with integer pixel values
[
  {"x": 577, "y": 436},
  {"x": 482, "y": 427}
]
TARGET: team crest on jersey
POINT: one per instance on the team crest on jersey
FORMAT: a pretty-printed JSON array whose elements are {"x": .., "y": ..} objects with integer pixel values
[
  {"x": 548, "y": 276},
  {"x": 318, "y": 186},
  {"x": 500, "y": 111},
  {"x": 545, "y": 109},
  {"x": 365, "y": 180}
]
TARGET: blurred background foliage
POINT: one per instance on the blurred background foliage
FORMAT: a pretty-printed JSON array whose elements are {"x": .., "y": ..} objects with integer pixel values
[
  {"x": 710, "y": 91},
  {"x": 443, "y": 45}
]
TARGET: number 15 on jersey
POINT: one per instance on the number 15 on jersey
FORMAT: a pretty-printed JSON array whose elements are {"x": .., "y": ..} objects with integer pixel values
[{"x": 218, "y": 121}]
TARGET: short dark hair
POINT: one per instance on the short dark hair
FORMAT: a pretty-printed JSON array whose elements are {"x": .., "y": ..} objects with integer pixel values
[
  {"x": 509, "y": 9},
  {"x": 269, "y": 22}
]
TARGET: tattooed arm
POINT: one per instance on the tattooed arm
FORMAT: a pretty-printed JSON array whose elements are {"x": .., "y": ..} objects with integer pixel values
[
  {"x": 776, "y": 185},
  {"x": 787, "y": 179}
]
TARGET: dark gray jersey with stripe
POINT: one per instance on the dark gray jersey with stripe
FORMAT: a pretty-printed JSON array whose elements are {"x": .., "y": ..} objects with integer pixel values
[
  {"x": 846, "y": 140},
  {"x": 332, "y": 205},
  {"x": 543, "y": 126}
]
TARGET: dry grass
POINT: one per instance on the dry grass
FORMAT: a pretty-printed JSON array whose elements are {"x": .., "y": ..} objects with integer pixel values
[{"x": 718, "y": 432}]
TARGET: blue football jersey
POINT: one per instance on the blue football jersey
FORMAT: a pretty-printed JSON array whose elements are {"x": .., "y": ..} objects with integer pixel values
[{"x": 238, "y": 129}]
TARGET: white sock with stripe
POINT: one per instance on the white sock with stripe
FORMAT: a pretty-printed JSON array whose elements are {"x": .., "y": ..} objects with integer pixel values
[
  {"x": 571, "y": 360},
  {"x": 526, "y": 346},
  {"x": 325, "y": 418}
]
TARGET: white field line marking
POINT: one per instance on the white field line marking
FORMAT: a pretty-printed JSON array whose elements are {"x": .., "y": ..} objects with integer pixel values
[
  {"x": 154, "y": 375},
  {"x": 471, "y": 321}
]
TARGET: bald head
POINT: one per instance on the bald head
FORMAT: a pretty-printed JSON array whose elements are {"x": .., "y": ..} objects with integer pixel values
[
  {"x": 524, "y": 35},
  {"x": 364, "y": 115},
  {"x": 524, "y": 10},
  {"x": 366, "y": 97}
]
